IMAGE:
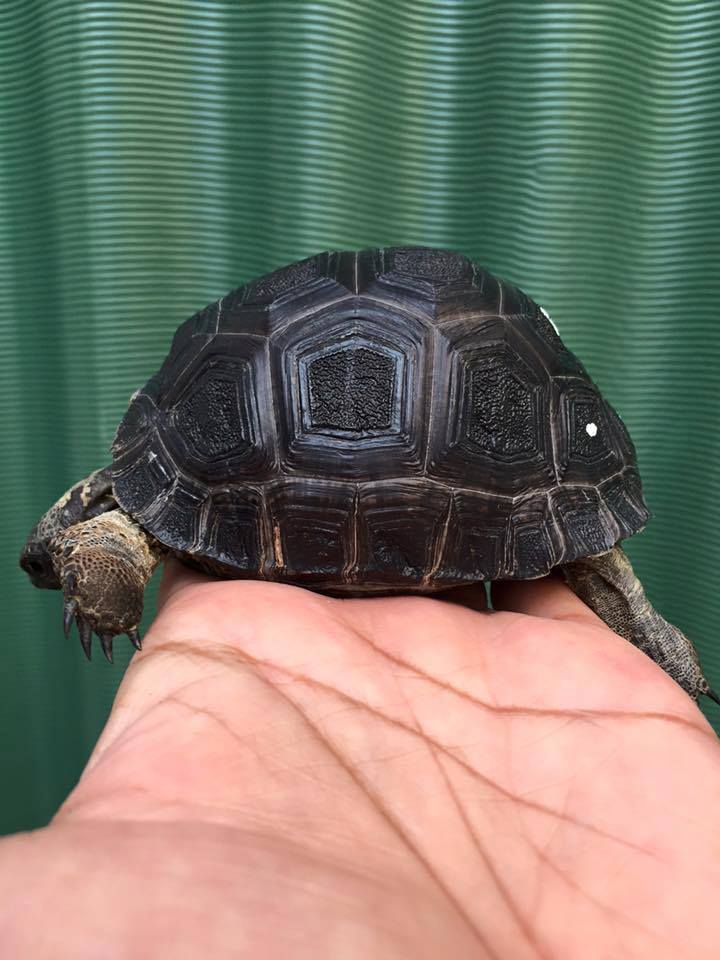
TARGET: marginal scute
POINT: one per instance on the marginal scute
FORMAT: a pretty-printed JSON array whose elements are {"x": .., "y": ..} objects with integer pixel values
[
  {"x": 204, "y": 322},
  {"x": 396, "y": 543},
  {"x": 136, "y": 489},
  {"x": 233, "y": 533},
  {"x": 312, "y": 526},
  {"x": 622, "y": 494},
  {"x": 394, "y": 419},
  {"x": 475, "y": 547},
  {"x": 587, "y": 524},
  {"x": 535, "y": 544},
  {"x": 514, "y": 301},
  {"x": 542, "y": 325},
  {"x": 177, "y": 519},
  {"x": 541, "y": 336},
  {"x": 134, "y": 425},
  {"x": 620, "y": 433},
  {"x": 532, "y": 549},
  {"x": 142, "y": 477}
]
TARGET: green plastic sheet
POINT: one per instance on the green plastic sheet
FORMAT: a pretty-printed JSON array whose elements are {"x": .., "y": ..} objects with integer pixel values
[{"x": 154, "y": 155}]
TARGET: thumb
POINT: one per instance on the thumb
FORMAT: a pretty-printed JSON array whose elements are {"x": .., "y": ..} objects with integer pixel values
[{"x": 176, "y": 577}]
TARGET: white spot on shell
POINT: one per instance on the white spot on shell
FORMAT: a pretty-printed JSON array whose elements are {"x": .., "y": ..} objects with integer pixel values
[
  {"x": 547, "y": 316},
  {"x": 591, "y": 429}
]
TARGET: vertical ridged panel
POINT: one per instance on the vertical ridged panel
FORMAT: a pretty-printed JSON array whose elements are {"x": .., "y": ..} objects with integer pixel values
[{"x": 155, "y": 155}]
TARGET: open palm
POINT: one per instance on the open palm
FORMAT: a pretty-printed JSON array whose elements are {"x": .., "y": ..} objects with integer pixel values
[{"x": 287, "y": 775}]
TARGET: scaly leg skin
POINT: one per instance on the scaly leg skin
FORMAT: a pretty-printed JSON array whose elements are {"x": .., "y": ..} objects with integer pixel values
[
  {"x": 608, "y": 585},
  {"x": 104, "y": 565}
]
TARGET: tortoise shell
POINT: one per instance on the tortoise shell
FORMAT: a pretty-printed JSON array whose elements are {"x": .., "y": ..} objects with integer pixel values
[{"x": 391, "y": 419}]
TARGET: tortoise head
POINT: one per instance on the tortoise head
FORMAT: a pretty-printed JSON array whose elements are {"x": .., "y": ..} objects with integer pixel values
[
  {"x": 85, "y": 500},
  {"x": 35, "y": 558}
]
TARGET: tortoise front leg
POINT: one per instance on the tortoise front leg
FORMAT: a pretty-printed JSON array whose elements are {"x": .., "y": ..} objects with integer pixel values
[
  {"x": 104, "y": 565},
  {"x": 608, "y": 585},
  {"x": 88, "y": 498}
]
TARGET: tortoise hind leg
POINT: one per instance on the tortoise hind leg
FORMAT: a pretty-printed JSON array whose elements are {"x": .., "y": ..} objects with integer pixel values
[
  {"x": 608, "y": 585},
  {"x": 104, "y": 565}
]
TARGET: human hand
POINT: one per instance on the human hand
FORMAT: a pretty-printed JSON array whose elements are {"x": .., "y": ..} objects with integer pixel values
[{"x": 287, "y": 775}]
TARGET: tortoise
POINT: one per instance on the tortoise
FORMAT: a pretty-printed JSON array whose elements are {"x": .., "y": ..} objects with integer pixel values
[{"x": 389, "y": 420}]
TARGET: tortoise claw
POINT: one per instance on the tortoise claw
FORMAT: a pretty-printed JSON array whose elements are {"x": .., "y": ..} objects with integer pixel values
[
  {"x": 85, "y": 631},
  {"x": 106, "y": 641},
  {"x": 69, "y": 611},
  {"x": 135, "y": 639}
]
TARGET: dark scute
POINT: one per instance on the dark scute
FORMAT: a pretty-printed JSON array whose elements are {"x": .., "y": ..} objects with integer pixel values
[
  {"x": 583, "y": 525},
  {"x": 587, "y": 526},
  {"x": 499, "y": 410},
  {"x": 514, "y": 301},
  {"x": 282, "y": 281},
  {"x": 476, "y": 542},
  {"x": 138, "y": 487},
  {"x": 483, "y": 551},
  {"x": 205, "y": 321},
  {"x": 231, "y": 303},
  {"x": 133, "y": 425},
  {"x": 547, "y": 331},
  {"x": 234, "y": 524},
  {"x": 584, "y": 459},
  {"x": 534, "y": 326},
  {"x": 533, "y": 551},
  {"x": 316, "y": 548},
  {"x": 427, "y": 263},
  {"x": 312, "y": 519},
  {"x": 352, "y": 389},
  {"x": 189, "y": 339},
  {"x": 623, "y": 495},
  {"x": 348, "y": 270},
  {"x": 491, "y": 422},
  {"x": 620, "y": 431},
  {"x": 176, "y": 517},
  {"x": 396, "y": 546},
  {"x": 217, "y": 414},
  {"x": 586, "y": 410},
  {"x": 399, "y": 523},
  {"x": 351, "y": 393},
  {"x": 210, "y": 420}
]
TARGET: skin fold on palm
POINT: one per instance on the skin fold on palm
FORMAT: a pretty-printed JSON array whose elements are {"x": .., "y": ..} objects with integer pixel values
[{"x": 289, "y": 775}]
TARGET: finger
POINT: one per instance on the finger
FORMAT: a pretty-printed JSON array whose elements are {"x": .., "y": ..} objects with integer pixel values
[
  {"x": 549, "y": 597},
  {"x": 176, "y": 577}
]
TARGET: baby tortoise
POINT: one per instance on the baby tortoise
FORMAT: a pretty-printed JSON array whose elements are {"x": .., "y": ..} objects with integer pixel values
[{"x": 385, "y": 421}]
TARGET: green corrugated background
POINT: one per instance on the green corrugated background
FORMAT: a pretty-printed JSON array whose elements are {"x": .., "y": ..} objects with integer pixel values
[{"x": 154, "y": 155}]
